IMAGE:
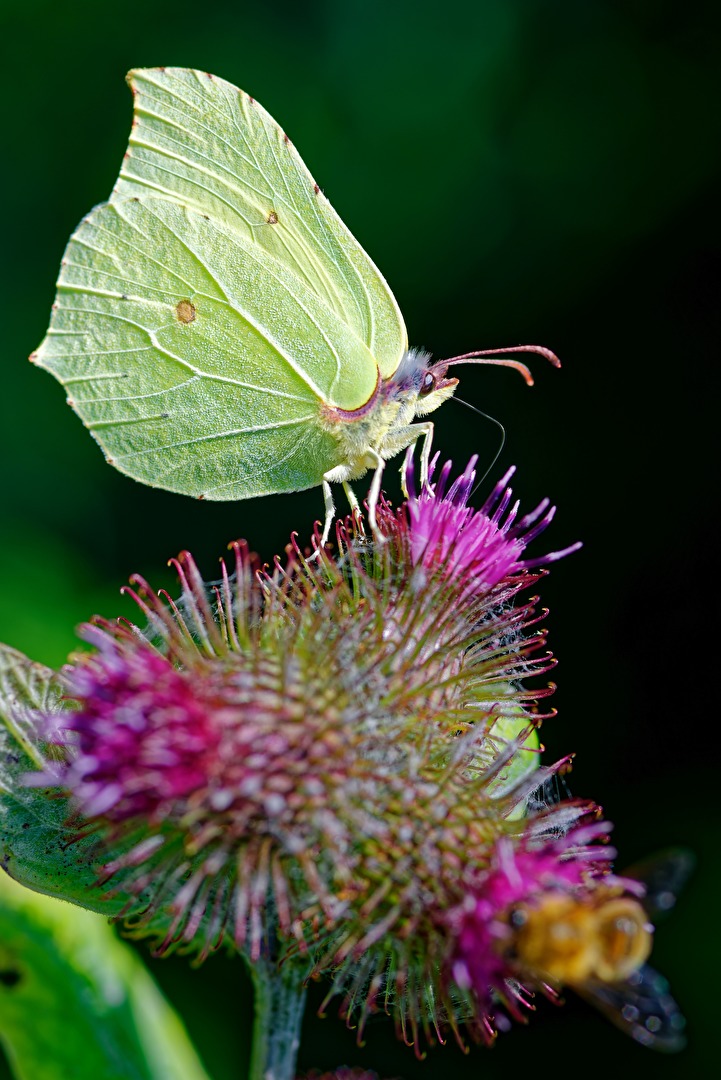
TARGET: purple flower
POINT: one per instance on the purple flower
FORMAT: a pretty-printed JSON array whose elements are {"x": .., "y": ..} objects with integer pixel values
[
  {"x": 478, "y": 547},
  {"x": 547, "y": 913},
  {"x": 146, "y": 734},
  {"x": 339, "y": 755}
]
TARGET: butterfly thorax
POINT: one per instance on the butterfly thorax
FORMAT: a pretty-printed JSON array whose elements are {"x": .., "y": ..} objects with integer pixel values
[{"x": 383, "y": 425}]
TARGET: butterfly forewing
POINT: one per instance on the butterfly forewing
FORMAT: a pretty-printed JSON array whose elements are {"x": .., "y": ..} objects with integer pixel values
[{"x": 200, "y": 141}]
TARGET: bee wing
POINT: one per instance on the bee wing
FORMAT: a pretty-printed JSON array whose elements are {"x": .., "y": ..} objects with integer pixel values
[
  {"x": 642, "y": 1007},
  {"x": 664, "y": 875}
]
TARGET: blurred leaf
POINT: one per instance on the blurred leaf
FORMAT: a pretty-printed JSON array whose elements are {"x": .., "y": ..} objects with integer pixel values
[
  {"x": 77, "y": 1002},
  {"x": 68, "y": 582},
  {"x": 526, "y": 759}
]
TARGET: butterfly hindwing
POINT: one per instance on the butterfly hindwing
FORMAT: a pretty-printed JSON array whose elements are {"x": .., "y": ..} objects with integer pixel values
[{"x": 199, "y": 364}]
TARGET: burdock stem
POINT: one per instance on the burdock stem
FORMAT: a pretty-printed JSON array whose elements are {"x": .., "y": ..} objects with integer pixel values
[{"x": 279, "y": 1005}]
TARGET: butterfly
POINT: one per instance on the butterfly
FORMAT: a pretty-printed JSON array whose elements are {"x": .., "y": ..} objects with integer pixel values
[{"x": 219, "y": 330}]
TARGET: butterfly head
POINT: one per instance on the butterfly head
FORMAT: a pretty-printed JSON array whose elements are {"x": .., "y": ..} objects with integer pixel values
[
  {"x": 423, "y": 383},
  {"x": 435, "y": 388}
]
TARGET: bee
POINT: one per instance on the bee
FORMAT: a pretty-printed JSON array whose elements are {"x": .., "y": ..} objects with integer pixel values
[
  {"x": 572, "y": 940},
  {"x": 598, "y": 945}
]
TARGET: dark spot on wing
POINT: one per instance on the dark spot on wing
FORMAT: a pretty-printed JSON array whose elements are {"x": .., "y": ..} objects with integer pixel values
[{"x": 185, "y": 311}]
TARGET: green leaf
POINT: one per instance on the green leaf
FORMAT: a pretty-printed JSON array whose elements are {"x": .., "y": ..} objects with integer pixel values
[
  {"x": 42, "y": 845},
  {"x": 75, "y": 1002},
  {"x": 27, "y": 692},
  {"x": 38, "y": 847},
  {"x": 524, "y": 762}
]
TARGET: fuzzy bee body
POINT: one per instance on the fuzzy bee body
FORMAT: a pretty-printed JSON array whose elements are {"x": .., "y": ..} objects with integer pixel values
[{"x": 597, "y": 944}]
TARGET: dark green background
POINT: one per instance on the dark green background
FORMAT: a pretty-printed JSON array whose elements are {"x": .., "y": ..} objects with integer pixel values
[{"x": 520, "y": 171}]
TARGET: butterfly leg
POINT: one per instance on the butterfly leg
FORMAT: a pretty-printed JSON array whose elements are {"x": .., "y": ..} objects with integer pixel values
[
  {"x": 329, "y": 512},
  {"x": 374, "y": 495},
  {"x": 355, "y": 508},
  {"x": 352, "y": 498},
  {"x": 427, "y": 433},
  {"x": 339, "y": 475},
  {"x": 401, "y": 439}
]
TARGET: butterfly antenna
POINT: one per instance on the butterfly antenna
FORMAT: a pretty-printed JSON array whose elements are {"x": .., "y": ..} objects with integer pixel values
[
  {"x": 492, "y": 356},
  {"x": 502, "y": 443}
]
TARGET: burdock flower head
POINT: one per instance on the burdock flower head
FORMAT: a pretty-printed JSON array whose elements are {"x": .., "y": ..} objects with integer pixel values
[
  {"x": 335, "y": 762},
  {"x": 478, "y": 547}
]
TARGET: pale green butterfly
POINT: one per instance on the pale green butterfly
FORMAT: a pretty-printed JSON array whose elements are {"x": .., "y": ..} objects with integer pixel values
[{"x": 220, "y": 331}]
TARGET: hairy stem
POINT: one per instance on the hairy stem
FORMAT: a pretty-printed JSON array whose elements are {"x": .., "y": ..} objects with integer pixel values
[{"x": 279, "y": 1005}]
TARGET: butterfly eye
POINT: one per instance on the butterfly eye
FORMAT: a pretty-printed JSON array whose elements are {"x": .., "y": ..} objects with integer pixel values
[{"x": 429, "y": 383}]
